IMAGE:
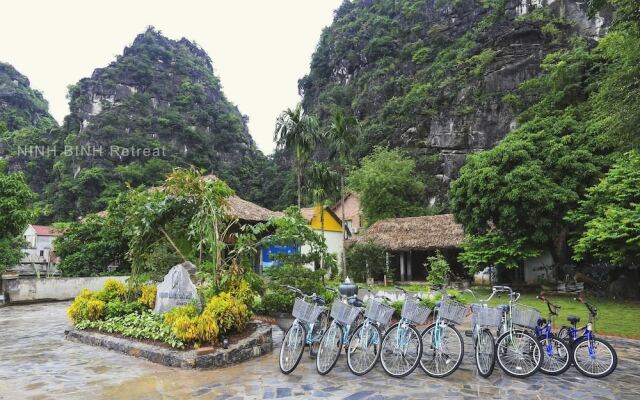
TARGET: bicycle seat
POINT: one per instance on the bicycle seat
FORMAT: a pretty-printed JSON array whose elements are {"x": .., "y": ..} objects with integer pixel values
[
  {"x": 356, "y": 302},
  {"x": 320, "y": 301},
  {"x": 573, "y": 319},
  {"x": 504, "y": 307},
  {"x": 542, "y": 321},
  {"x": 438, "y": 303}
]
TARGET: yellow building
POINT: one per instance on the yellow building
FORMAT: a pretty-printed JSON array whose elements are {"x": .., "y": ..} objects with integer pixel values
[{"x": 327, "y": 223}]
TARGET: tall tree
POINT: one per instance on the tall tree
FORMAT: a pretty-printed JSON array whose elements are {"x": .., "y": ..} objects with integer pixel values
[
  {"x": 16, "y": 211},
  {"x": 610, "y": 214},
  {"x": 388, "y": 186},
  {"x": 342, "y": 137},
  {"x": 322, "y": 186},
  {"x": 297, "y": 132}
]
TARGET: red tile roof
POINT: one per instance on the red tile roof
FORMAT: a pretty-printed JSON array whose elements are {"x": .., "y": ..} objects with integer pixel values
[{"x": 42, "y": 230}]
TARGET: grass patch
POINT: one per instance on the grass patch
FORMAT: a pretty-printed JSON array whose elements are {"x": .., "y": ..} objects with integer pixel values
[{"x": 615, "y": 317}]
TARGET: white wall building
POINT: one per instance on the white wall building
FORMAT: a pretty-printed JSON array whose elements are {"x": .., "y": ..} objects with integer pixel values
[{"x": 39, "y": 248}]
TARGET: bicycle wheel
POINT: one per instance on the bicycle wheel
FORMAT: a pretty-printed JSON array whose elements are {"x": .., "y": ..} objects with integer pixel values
[
  {"x": 519, "y": 354},
  {"x": 319, "y": 328},
  {"x": 557, "y": 357},
  {"x": 485, "y": 352},
  {"x": 352, "y": 328},
  {"x": 329, "y": 350},
  {"x": 564, "y": 334},
  {"x": 292, "y": 347},
  {"x": 594, "y": 358},
  {"x": 363, "y": 349},
  {"x": 401, "y": 350},
  {"x": 443, "y": 350}
]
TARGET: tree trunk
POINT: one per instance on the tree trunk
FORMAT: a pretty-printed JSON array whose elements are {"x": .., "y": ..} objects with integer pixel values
[
  {"x": 299, "y": 174},
  {"x": 344, "y": 233}
]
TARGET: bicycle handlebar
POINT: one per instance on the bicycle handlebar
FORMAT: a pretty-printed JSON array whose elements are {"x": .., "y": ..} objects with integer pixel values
[{"x": 593, "y": 310}]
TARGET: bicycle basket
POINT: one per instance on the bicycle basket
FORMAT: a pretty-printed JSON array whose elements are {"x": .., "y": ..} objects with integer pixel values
[
  {"x": 305, "y": 311},
  {"x": 486, "y": 316},
  {"x": 414, "y": 312},
  {"x": 379, "y": 312},
  {"x": 344, "y": 313},
  {"x": 452, "y": 311},
  {"x": 524, "y": 316}
]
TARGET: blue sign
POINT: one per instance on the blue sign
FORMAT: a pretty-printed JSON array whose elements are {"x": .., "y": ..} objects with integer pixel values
[{"x": 268, "y": 252}]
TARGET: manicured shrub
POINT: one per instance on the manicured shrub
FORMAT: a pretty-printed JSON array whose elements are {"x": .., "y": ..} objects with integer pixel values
[
  {"x": 148, "y": 296},
  {"x": 113, "y": 289},
  {"x": 86, "y": 307},
  {"x": 119, "y": 308}
]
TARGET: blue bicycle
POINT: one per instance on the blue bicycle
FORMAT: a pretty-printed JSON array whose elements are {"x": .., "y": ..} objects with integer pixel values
[
  {"x": 363, "y": 349},
  {"x": 592, "y": 356},
  {"x": 557, "y": 358},
  {"x": 347, "y": 312},
  {"x": 443, "y": 347},
  {"x": 307, "y": 329},
  {"x": 402, "y": 346}
]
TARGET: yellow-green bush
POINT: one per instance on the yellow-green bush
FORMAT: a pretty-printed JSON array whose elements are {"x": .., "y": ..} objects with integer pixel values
[
  {"x": 148, "y": 295},
  {"x": 229, "y": 312},
  {"x": 86, "y": 307},
  {"x": 113, "y": 289},
  {"x": 242, "y": 291},
  {"x": 223, "y": 314}
]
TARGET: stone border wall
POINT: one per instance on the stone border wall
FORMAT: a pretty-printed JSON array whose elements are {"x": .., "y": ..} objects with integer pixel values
[
  {"x": 32, "y": 289},
  {"x": 257, "y": 344}
]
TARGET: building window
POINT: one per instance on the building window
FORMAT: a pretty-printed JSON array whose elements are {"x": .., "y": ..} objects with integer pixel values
[{"x": 41, "y": 253}]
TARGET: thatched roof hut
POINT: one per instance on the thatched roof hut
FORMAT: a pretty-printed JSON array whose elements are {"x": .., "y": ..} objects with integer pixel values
[
  {"x": 247, "y": 211},
  {"x": 416, "y": 233}
]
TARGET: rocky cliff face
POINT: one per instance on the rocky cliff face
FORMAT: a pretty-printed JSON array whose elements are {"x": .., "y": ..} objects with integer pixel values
[
  {"x": 20, "y": 105},
  {"x": 26, "y": 127},
  {"x": 439, "y": 78},
  {"x": 157, "y": 106}
]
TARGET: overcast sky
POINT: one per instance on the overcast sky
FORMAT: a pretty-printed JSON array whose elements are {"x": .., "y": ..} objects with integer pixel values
[{"x": 259, "y": 48}]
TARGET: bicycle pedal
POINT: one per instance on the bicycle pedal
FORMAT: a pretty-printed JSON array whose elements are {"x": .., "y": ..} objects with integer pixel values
[{"x": 468, "y": 333}]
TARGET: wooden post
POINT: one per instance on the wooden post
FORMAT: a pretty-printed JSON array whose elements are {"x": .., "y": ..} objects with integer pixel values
[
  {"x": 386, "y": 272},
  {"x": 402, "y": 267},
  {"x": 409, "y": 262}
]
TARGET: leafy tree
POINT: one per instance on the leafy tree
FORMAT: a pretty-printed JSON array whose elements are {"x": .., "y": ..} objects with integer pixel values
[
  {"x": 366, "y": 260},
  {"x": 524, "y": 186},
  {"x": 610, "y": 214},
  {"x": 298, "y": 133},
  {"x": 388, "y": 185},
  {"x": 342, "y": 137},
  {"x": 90, "y": 245},
  {"x": 493, "y": 249},
  {"x": 16, "y": 211}
]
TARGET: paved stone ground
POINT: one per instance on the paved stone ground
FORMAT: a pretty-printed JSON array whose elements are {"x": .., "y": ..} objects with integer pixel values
[{"x": 37, "y": 363}]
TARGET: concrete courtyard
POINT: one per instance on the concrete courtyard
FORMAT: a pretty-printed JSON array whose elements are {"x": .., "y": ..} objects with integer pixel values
[{"x": 36, "y": 362}]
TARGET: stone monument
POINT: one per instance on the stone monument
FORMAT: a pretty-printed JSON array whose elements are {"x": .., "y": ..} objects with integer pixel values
[{"x": 176, "y": 289}]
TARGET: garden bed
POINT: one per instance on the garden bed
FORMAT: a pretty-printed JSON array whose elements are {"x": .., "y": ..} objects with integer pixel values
[{"x": 242, "y": 347}]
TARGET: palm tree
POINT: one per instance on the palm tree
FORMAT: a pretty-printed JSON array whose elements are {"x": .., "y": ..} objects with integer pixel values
[
  {"x": 297, "y": 132},
  {"x": 341, "y": 137},
  {"x": 322, "y": 187}
]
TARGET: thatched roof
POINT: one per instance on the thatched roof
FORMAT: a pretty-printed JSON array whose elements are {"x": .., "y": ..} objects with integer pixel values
[
  {"x": 248, "y": 211},
  {"x": 237, "y": 207},
  {"x": 416, "y": 233}
]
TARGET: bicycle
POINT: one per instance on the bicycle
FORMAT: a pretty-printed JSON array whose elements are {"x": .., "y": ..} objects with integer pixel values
[
  {"x": 345, "y": 313},
  {"x": 311, "y": 320},
  {"x": 518, "y": 352},
  {"x": 401, "y": 347},
  {"x": 593, "y": 357},
  {"x": 363, "y": 349},
  {"x": 443, "y": 346},
  {"x": 484, "y": 347},
  {"x": 557, "y": 358}
]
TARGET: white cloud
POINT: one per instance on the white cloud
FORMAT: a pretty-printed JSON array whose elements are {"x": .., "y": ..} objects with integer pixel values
[{"x": 259, "y": 48}]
